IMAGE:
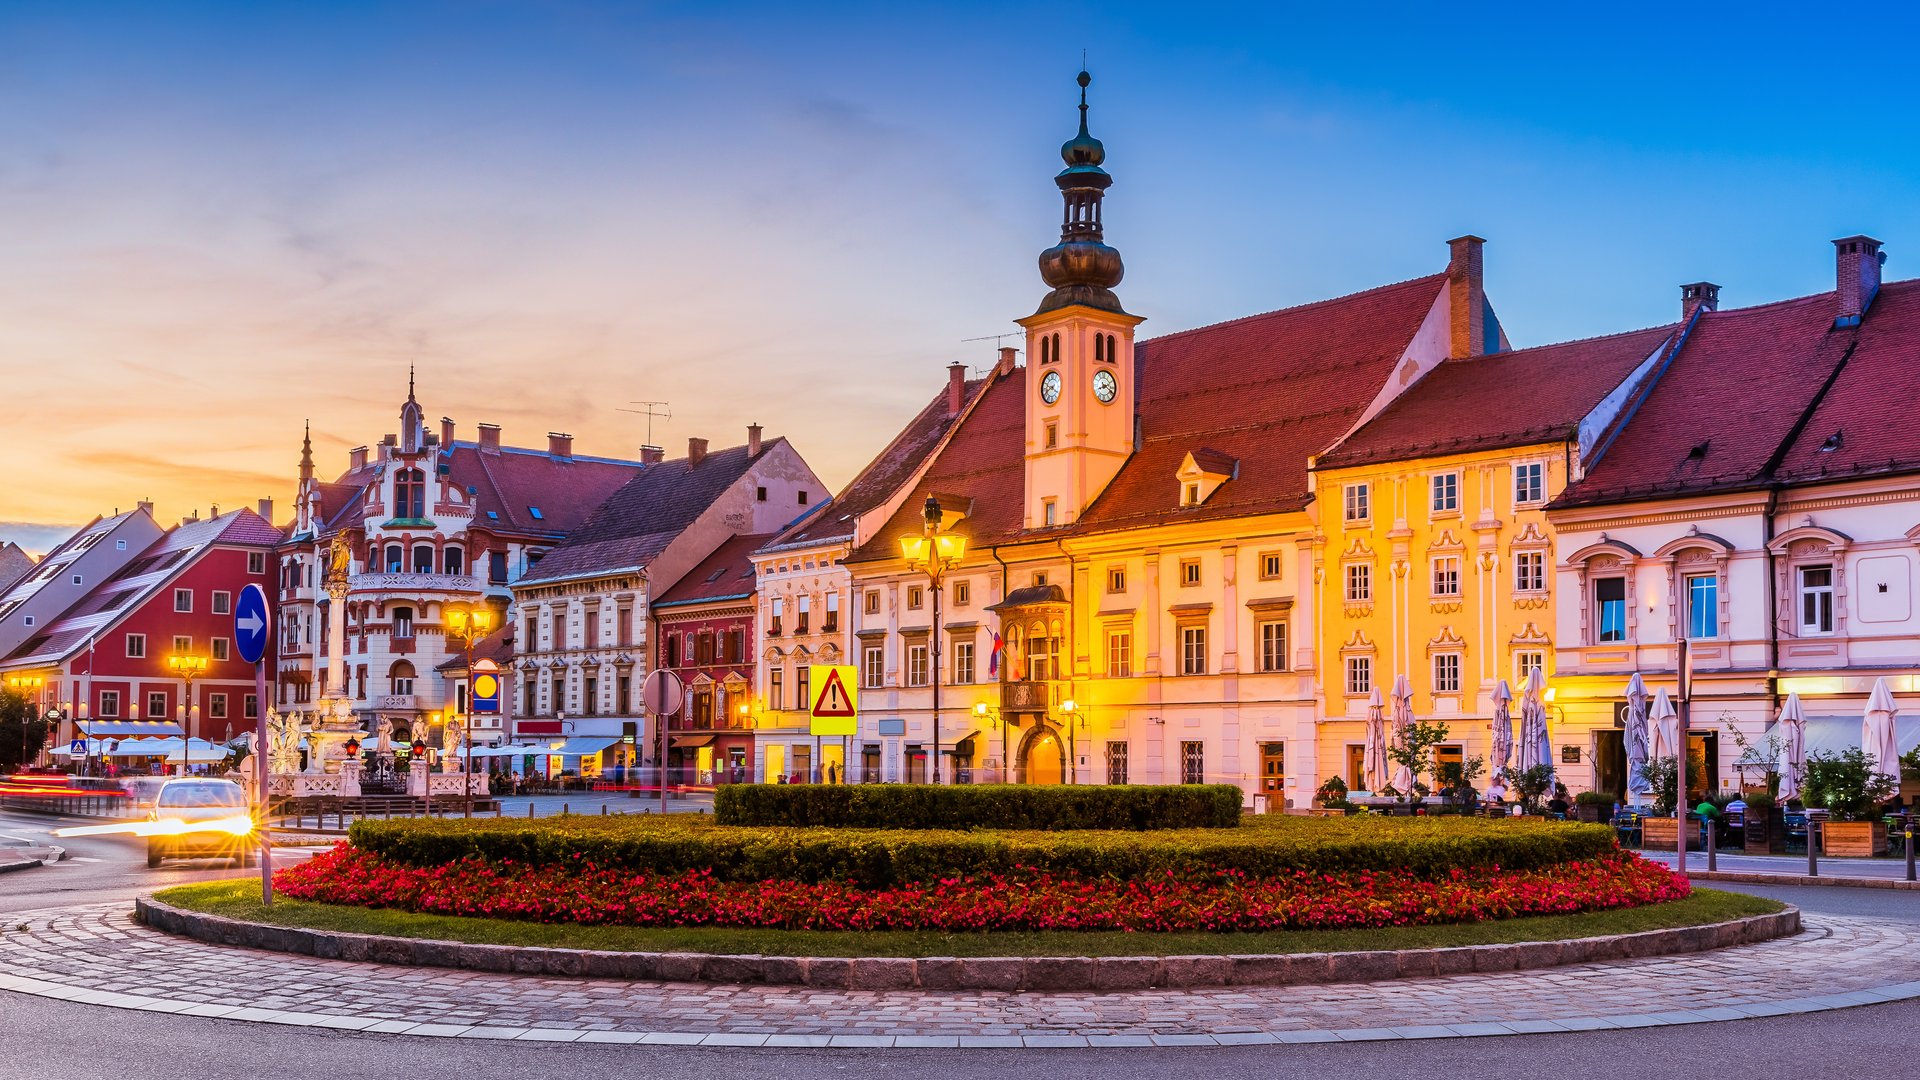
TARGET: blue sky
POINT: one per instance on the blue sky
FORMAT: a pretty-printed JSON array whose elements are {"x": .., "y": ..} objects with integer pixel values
[{"x": 224, "y": 219}]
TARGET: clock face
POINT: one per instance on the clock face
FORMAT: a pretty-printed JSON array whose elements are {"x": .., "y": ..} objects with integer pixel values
[
  {"x": 1105, "y": 386},
  {"x": 1050, "y": 387}
]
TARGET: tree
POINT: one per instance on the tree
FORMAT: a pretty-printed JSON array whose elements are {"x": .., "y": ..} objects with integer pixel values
[
  {"x": 23, "y": 733},
  {"x": 1414, "y": 749},
  {"x": 1847, "y": 784},
  {"x": 1529, "y": 784}
]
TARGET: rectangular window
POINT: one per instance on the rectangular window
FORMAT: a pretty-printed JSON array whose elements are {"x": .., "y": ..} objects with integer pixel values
[
  {"x": 1530, "y": 571},
  {"x": 776, "y": 695},
  {"x": 1117, "y": 579},
  {"x": 1116, "y": 763},
  {"x": 1703, "y": 605},
  {"x": 109, "y": 703},
  {"x": 803, "y": 686},
  {"x": 497, "y": 567},
  {"x": 1119, "y": 654},
  {"x": 1816, "y": 599},
  {"x": 219, "y": 648},
  {"x": 1359, "y": 675},
  {"x": 1042, "y": 654},
  {"x": 1446, "y": 493},
  {"x": 802, "y": 613},
  {"x": 1193, "y": 763},
  {"x": 216, "y": 706},
  {"x": 1529, "y": 483},
  {"x": 1446, "y": 673},
  {"x": 402, "y": 622},
  {"x": 779, "y": 609},
  {"x": 915, "y": 597},
  {"x": 182, "y": 644},
  {"x": 1610, "y": 603},
  {"x": 136, "y": 646},
  {"x": 250, "y": 707},
  {"x": 183, "y": 599},
  {"x": 1049, "y": 513},
  {"x": 1193, "y": 650},
  {"x": 1446, "y": 575},
  {"x": 1524, "y": 661},
  {"x": 962, "y": 662},
  {"x": 157, "y": 704},
  {"x": 831, "y": 622},
  {"x": 1359, "y": 502},
  {"x": 870, "y": 602},
  {"x": 1053, "y": 436},
  {"x": 1039, "y": 579},
  {"x": 873, "y": 666},
  {"x": 962, "y": 593},
  {"x": 1273, "y": 646},
  {"x": 1359, "y": 583},
  {"x": 1271, "y": 564},
  {"x": 1189, "y": 572},
  {"x": 256, "y": 562},
  {"x": 223, "y": 603}
]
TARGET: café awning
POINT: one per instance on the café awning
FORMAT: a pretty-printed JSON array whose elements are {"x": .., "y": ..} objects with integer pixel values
[
  {"x": 691, "y": 742},
  {"x": 130, "y": 729}
]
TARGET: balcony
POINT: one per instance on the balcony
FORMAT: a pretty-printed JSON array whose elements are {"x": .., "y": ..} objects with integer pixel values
[
  {"x": 415, "y": 583},
  {"x": 397, "y": 702},
  {"x": 1028, "y": 695}
]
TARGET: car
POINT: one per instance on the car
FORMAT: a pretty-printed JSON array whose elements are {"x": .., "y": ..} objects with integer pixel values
[
  {"x": 142, "y": 789},
  {"x": 200, "y": 817}
]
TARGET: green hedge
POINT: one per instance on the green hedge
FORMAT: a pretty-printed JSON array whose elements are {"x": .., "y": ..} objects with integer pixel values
[
  {"x": 1266, "y": 846},
  {"x": 988, "y": 806}
]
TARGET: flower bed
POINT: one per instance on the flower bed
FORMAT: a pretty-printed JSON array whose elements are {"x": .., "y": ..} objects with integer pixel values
[
  {"x": 584, "y": 892},
  {"x": 1264, "y": 847},
  {"x": 981, "y": 806}
]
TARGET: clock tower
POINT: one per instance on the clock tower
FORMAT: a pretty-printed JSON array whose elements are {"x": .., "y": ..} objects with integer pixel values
[{"x": 1080, "y": 371}]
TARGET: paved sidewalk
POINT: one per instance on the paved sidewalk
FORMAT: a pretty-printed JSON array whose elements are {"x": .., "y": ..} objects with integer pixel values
[
  {"x": 1788, "y": 865},
  {"x": 98, "y": 955}
]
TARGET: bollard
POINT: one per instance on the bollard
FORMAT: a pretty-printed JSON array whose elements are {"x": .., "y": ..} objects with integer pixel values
[
  {"x": 565, "y": 809},
  {"x": 1909, "y": 835},
  {"x": 1813, "y": 859},
  {"x": 1713, "y": 847},
  {"x": 603, "y": 813}
]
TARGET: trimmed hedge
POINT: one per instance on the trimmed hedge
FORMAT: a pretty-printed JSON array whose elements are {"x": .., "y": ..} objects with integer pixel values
[
  {"x": 879, "y": 858},
  {"x": 988, "y": 806}
]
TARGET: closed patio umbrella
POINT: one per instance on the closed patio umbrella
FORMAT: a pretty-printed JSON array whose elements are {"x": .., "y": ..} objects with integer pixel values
[
  {"x": 1376, "y": 755},
  {"x": 1636, "y": 734},
  {"x": 1793, "y": 747},
  {"x": 1876, "y": 730},
  {"x": 1663, "y": 722},
  {"x": 1535, "y": 748},
  {"x": 1502, "y": 751},
  {"x": 1402, "y": 721}
]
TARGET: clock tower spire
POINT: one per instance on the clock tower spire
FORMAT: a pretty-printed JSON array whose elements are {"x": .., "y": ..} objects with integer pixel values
[{"x": 1080, "y": 370}]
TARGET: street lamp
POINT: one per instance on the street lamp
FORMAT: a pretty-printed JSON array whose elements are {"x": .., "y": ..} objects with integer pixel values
[
  {"x": 935, "y": 551},
  {"x": 27, "y": 686},
  {"x": 188, "y": 668},
  {"x": 470, "y": 623},
  {"x": 985, "y": 711},
  {"x": 1074, "y": 721}
]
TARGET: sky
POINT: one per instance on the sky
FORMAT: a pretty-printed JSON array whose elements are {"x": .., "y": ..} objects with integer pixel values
[{"x": 223, "y": 221}]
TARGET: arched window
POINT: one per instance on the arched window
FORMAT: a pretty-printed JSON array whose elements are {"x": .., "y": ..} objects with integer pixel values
[
  {"x": 410, "y": 494},
  {"x": 423, "y": 558},
  {"x": 455, "y": 560},
  {"x": 400, "y": 678}
]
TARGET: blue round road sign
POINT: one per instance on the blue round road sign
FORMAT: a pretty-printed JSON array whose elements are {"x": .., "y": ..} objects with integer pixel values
[{"x": 250, "y": 624}]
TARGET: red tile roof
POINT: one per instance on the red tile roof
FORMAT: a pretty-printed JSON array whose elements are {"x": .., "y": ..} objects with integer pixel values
[
  {"x": 1733, "y": 393},
  {"x": 513, "y": 482},
  {"x": 1499, "y": 400},
  {"x": 1864, "y": 422},
  {"x": 1265, "y": 391},
  {"x": 725, "y": 574}
]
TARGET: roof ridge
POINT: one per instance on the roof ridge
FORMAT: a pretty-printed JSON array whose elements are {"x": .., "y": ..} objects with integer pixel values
[
  {"x": 1436, "y": 278},
  {"x": 1668, "y": 327}
]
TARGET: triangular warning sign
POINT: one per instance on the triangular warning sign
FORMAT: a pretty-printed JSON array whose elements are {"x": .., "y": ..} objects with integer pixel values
[{"x": 834, "y": 699}]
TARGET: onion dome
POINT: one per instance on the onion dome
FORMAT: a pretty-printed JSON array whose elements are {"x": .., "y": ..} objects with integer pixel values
[{"x": 1081, "y": 268}]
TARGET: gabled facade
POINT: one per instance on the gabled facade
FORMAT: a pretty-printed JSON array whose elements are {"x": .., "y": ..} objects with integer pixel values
[
  {"x": 71, "y": 571},
  {"x": 15, "y": 564},
  {"x": 706, "y": 637}
]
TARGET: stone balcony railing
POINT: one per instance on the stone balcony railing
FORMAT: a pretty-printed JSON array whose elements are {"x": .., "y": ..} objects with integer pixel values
[
  {"x": 1023, "y": 696},
  {"x": 415, "y": 583}
]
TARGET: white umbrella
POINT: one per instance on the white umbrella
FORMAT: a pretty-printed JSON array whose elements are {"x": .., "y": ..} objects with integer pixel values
[
  {"x": 1535, "y": 749},
  {"x": 1793, "y": 747},
  {"x": 1876, "y": 730},
  {"x": 1636, "y": 734},
  {"x": 1664, "y": 723},
  {"x": 1402, "y": 721},
  {"x": 1502, "y": 727},
  {"x": 1376, "y": 756}
]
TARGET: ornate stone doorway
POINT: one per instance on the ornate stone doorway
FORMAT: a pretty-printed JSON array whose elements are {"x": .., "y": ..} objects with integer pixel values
[{"x": 1043, "y": 759}]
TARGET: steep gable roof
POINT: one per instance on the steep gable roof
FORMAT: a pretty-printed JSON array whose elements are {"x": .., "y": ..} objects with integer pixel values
[
  {"x": 1499, "y": 400},
  {"x": 506, "y": 488},
  {"x": 1864, "y": 424},
  {"x": 643, "y": 516},
  {"x": 727, "y": 573}
]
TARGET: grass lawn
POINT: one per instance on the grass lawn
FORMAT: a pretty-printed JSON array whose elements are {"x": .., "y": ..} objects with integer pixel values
[{"x": 241, "y": 900}]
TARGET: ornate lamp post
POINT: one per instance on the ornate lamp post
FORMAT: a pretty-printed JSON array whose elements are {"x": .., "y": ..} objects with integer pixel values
[
  {"x": 985, "y": 711},
  {"x": 1075, "y": 721},
  {"x": 935, "y": 551},
  {"x": 469, "y": 623},
  {"x": 189, "y": 668}
]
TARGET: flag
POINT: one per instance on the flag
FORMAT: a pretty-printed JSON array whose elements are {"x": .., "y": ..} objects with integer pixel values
[{"x": 993, "y": 658}]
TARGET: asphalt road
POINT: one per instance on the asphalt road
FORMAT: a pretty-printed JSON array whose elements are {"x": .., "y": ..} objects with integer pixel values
[{"x": 63, "y": 1041}]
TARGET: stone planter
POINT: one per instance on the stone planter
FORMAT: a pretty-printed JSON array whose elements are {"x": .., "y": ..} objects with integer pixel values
[
  {"x": 1766, "y": 834},
  {"x": 1853, "y": 838},
  {"x": 1591, "y": 813},
  {"x": 1657, "y": 834}
]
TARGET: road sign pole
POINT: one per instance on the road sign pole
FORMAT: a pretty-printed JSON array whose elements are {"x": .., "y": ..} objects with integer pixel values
[{"x": 260, "y": 779}]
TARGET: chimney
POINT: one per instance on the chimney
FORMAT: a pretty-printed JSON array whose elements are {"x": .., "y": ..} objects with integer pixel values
[
  {"x": 696, "y": 450},
  {"x": 146, "y": 505},
  {"x": 446, "y": 431},
  {"x": 558, "y": 445},
  {"x": 1857, "y": 262},
  {"x": 753, "y": 440},
  {"x": 265, "y": 510},
  {"x": 490, "y": 438},
  {"x": 357, "y": 458},
  {"x": 1005, "y": 366},
  {"x": 1466, "y": 298},
  {"x": 651, "y": 455},
  {"x": 1698, "y": 295},
  {"x": 956, "y": 387}
]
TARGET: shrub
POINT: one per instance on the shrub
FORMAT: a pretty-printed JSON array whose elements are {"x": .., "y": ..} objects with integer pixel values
[
  {"x": 990, "y": 806},
  {"x": 1760, "y": 803},
  {"x": 1593, "y": 798},
  {"x": 1847, "y": 784},
  {"x": 872, "y": 858}
]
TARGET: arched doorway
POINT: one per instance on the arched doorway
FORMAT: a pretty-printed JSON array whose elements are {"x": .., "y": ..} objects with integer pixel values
[{"x": 1042, "y": 759}]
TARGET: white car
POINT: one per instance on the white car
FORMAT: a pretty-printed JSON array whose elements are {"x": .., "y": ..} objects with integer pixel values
[{"x": 199, "y": 817}]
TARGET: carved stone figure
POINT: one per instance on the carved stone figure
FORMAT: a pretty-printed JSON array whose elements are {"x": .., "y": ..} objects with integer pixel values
[
  {"x": 451, "y": 737},
  {"x": 383, "y": 735},
  {"x": 283, "y": 741},
  {"x": 339, "y": 557}
]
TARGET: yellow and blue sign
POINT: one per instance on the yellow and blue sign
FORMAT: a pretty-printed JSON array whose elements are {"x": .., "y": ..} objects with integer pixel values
[{"x": 485, "y": 694}]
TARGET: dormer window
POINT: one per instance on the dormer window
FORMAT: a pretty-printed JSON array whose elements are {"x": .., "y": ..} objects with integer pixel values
[
  {"x": 1202, "y": 472},
  {"x": 537, "y": 515}
]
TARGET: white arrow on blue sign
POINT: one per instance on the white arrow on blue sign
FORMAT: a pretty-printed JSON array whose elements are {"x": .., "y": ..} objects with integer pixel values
[{"x": 250, "y": 624}]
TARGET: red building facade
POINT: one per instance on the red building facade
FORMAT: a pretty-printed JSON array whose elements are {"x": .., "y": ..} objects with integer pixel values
[{"x": 706, "y": 637}]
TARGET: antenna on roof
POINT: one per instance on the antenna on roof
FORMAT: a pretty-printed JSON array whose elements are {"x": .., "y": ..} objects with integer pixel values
[
  {"x": 997, "y": 338},
  {"x": 653, "y": 410}
]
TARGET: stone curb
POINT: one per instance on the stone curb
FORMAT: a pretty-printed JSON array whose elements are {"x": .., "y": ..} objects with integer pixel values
[
  {"x": 23, "y": 864},
  {"x": 1757, "y": 877},
  {"x": 1040, "y": 973}
]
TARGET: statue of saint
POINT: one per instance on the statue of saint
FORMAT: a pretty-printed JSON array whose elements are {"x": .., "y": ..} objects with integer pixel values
[
  {"x": 339, "y": 557},
  {"x": 450, "y": 739},
  {"x": 383, "y": 735}
]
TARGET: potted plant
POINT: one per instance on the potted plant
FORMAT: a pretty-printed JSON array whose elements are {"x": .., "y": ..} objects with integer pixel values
[
  {"x": 1660, "y": 830},
  {"x": 1765, "y": 825},
  {"x": 1851, "y": 790},
  {"x": 1592, "y": 806},
  {"x": 1331, "y": 798},
  {"x": 1529, "y": 785}
]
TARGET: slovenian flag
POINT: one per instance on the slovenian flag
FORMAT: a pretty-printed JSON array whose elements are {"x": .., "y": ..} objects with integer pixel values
[{"x": 993, "y": 659}]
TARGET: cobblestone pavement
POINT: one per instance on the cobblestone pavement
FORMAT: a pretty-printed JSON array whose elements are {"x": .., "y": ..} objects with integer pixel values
[{"x": 99, "y": 955}]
